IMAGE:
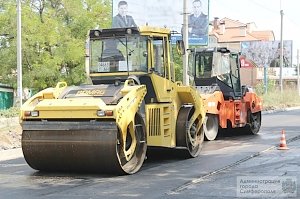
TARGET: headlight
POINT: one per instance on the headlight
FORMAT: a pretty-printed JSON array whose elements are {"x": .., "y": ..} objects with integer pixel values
[
  {"x": 102, "y": 113},
  {"x": 31, "y": 113}
]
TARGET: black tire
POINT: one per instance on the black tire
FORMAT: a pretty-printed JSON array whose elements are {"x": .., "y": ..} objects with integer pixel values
[
  {"x": 136, "y": 160},
  {"x": 211, "y": 127},
  {"x": 192, "y": 139},
  {"x": 254, "y": 122}
]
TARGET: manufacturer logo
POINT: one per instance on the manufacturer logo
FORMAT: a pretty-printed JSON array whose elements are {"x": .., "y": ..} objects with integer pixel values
[{"x": 96, "y": 92}]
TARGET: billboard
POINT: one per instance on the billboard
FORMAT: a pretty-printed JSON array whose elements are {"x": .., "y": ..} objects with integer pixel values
[
  {"x": 267, "y": 53},
  {"x": 164, "y": 13}
]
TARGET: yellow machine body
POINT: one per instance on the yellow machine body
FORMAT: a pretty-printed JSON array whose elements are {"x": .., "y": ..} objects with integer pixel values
[{"x": 133, "y": 103}]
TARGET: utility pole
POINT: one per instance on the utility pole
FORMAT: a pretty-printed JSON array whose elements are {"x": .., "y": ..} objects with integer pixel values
[
  {"x": 298, "y": 73},
  {"x": 87, "y": 58},
  {"x": 281, "y": 52},
  {"x": 265, "y": 79},
  {"x": 186, "y": 44},
  {"x": 19, "y": 55}
]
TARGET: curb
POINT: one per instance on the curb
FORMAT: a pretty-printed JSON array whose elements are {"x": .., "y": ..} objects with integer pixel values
[
  {"x": 10, "y": 154},
  {"x": 280, "y": 110}
]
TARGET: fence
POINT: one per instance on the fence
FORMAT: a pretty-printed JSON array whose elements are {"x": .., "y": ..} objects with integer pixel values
[{"x": 6, "y": 97}]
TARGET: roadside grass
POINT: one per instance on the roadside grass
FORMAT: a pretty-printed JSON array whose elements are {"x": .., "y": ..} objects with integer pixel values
[{"x": 274, "y": 99}]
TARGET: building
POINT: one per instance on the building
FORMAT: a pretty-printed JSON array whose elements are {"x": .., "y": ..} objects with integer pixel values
[{"x": 230, "y": 33}]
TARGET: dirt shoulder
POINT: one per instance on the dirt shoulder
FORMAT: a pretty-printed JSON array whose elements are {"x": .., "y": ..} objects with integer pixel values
[{"x": 10, "y": 133}]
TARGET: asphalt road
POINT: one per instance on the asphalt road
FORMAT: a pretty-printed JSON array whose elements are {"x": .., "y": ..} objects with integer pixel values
[{"x": 164, "y": 175}]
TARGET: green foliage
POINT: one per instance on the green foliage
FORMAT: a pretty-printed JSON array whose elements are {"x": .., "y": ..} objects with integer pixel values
[
  {"x": 260, "y": 87},
  {"x": 53, "y": 39},
  {"x": 177, "y": 61}
]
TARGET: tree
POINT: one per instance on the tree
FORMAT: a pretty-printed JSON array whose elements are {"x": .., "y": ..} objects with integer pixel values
[{"x": 53, "y": 39}]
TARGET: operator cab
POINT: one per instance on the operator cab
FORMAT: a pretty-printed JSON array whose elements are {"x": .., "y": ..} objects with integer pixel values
[
  {"x": 117, "y": 53},
  {"x": 114, "y": 53},
  {"x": 216, "y": 69},
  {"x": 141, "y": 54}
]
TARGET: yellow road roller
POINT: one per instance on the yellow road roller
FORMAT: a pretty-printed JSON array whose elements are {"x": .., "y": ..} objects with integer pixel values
[{"x": 133, "y": 102}]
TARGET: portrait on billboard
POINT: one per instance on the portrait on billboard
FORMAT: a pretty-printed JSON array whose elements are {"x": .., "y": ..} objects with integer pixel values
[
  {"x": 122, "y": 18},
  {"x": 198, "y": 22},
  {"x": 166, "y": 13},
  {"x": 267, "y": 53}
]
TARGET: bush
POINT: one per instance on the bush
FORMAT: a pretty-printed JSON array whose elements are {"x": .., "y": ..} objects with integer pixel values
[{"x": 260, "y": 87}]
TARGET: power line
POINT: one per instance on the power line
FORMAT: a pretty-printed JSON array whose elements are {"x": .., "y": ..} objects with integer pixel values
[
  {"x": 291, "y": 20},
  {"x": 286, "y": 14},
  {"x": 263, "y": 6}
]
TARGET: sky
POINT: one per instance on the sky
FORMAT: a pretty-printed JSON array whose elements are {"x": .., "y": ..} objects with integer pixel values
[{"x": 265, "y": 14}]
